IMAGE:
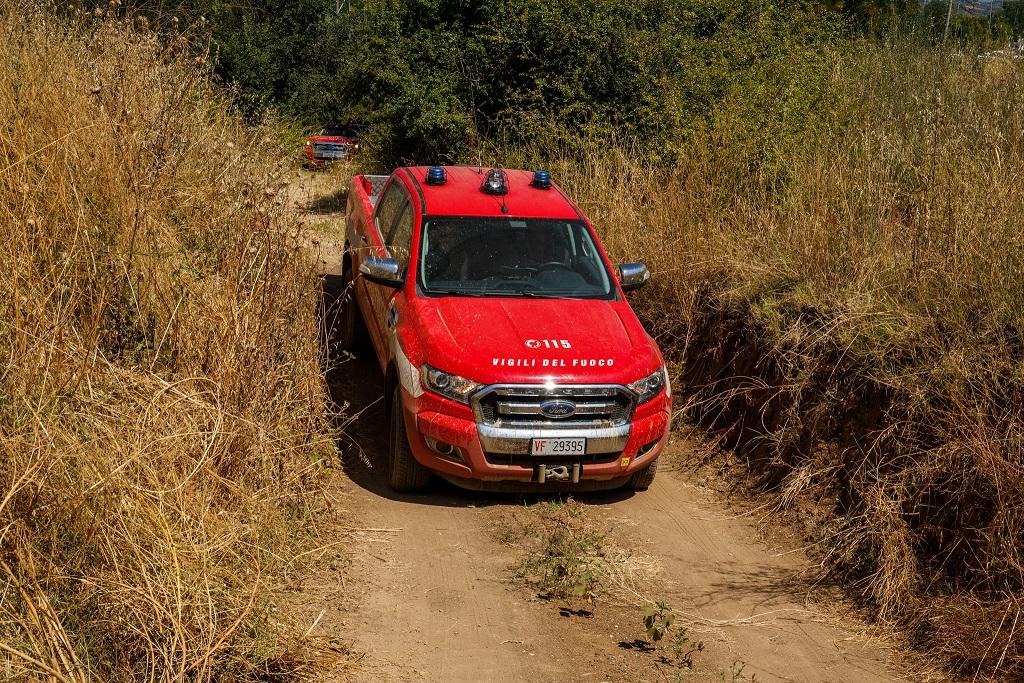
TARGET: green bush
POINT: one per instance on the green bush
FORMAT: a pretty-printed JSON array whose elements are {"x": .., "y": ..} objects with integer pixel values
[
  {"x": 438, "y": 77},
  {"x": 441, "y": 79}
]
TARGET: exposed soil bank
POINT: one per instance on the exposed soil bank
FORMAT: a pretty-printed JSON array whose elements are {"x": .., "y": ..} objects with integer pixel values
[{"x": 912, "y": 511}]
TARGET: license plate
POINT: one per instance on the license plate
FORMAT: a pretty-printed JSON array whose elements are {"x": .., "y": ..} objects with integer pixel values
[
  {"x": 333, "y": 154},
  {"x": 558, "y": 446}
]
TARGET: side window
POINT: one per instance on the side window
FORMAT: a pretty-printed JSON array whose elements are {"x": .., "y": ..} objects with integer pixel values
[
  {"x": 388, "y": 207},
  {"x": 399, "y": 241},
  {"x": 591, "y": 271}
]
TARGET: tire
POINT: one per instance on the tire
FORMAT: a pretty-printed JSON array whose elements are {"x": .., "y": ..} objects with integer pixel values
[
  {"x": 404, "y": 474},
  {"x": 642, "y": 480},
  {"x": 351, "y": 331}
]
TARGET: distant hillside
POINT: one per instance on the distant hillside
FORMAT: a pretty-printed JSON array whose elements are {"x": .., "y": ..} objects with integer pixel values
[
  {"x": 980, "y": 8},
  {"x": 976, "y": 8}
]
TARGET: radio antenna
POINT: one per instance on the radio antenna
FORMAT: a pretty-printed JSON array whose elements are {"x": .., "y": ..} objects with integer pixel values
[
  {"x": 504, "y": 206},
  {"x": 472, "y": 108}
]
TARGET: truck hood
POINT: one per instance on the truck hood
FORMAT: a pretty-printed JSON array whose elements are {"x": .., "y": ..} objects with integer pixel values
[
  {"x": 331, "y": 138},
  {"x": 492, "y": 340}
]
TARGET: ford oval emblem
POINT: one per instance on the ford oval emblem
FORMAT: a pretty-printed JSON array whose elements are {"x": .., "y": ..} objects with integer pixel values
[{"x": 558, "y": 409}]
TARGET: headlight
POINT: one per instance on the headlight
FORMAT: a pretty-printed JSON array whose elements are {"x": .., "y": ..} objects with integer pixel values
[
  {"x": 650, "y": 386},
  {"x": 450, "y": 386}
]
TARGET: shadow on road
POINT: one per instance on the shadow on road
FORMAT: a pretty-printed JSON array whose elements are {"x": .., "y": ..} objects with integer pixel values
[
  {"x": 356, "y": 386},
  {"x": 329, "y": 203}
]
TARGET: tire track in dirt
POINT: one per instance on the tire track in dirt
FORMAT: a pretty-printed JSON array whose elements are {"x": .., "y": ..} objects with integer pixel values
[{"x": 747, "y": 602}]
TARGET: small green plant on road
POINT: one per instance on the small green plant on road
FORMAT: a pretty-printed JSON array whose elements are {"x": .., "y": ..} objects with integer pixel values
[
  {"x": 564, "y": 552},
  {"x": 735, "y": 674},
  {"x": 568, "y": 565},
  {"x": 659, "y": 625},
  {"x": 658, "y": 619}
]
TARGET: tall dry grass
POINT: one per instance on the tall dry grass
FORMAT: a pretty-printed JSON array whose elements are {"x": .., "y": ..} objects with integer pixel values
[
  {"x": 162, "y": 409},
  {"x": 847, "y": 309}
]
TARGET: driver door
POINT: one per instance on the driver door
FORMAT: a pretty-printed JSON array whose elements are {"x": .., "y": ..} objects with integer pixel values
[{"x": 391, "y": 205}]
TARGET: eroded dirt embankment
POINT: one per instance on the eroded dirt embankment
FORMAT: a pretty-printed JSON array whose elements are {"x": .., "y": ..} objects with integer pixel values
[{"x": 901, "y": 475}]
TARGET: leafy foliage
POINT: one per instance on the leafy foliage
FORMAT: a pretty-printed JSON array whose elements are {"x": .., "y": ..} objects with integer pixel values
[
  {"x": 447, "y": 80},
  {"x": 441, "y": 79},
  {"x": 878, "y": 14},
  {"x": 437, "y": 76},
  {"x": 1013, "y": 14},
  {"x": 998, "y": 27},
  {"x": 658, "y": 619},
  {"x": 659, "y": 622}
]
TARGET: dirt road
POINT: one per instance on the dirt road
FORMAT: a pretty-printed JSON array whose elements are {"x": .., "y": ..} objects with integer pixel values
[{"x": 427, "y": 596}]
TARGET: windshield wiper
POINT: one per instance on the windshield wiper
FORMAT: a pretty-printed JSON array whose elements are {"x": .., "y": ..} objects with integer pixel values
[
  {"x": 529, "y": 293},
  {"x": 506, "y": 293},
  {"x": 533, "y": 294},
  {"x": 458, "y": 292}
]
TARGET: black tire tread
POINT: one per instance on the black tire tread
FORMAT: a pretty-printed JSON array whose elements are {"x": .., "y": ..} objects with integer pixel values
[
  {"x": 404, "y": 474},
  {"x": 642, "y": 480},
  {"x": 351, "y": 330}
]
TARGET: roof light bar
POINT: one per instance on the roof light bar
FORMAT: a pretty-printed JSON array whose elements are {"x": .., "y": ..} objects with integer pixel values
[
  {"x": 541, "y": 180},
  {"x": 495, "y": 182},
  {"x": 436, "y": 175}
]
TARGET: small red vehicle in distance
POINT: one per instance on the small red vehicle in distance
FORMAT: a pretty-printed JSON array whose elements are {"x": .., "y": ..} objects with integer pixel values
[
  {"x": 511, "y": 357},
  {"x": 332, "y": 143}
]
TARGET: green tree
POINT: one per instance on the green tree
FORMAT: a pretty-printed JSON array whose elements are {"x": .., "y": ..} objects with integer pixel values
[
  {"x": 1013, "y": 14},
  {"x": 879, "y": 15},
  {"x": 437, "y": 75},
  {"x": 963, "y": 28}
]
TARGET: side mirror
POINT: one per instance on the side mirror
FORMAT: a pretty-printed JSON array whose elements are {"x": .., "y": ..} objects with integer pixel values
[
  {"x": 383, "y": 271},
  {"x": 633, "y": 276}
]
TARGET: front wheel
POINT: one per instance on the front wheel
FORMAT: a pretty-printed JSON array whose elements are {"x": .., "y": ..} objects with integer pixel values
[
  {"x": 404, "y": 474},
  {"x": 642, "y": 480}
]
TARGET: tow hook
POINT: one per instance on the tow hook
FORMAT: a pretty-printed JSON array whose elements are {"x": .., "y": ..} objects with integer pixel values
[{"x": 557, "y": 473}]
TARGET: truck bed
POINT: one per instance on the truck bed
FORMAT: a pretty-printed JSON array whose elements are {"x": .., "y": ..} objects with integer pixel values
[{"x": 376, "y": 184}]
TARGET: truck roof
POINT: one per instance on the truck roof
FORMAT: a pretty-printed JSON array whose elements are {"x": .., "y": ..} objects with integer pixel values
[{"x": 461, "y": 195}]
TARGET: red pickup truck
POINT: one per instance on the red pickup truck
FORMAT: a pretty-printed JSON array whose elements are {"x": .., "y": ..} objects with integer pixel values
[
  {"x": 510, "y": 354},
  {"x": 333, "y": 143}
]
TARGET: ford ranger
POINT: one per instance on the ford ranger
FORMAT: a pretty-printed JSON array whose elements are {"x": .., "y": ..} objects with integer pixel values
[
  {"x": 332, "y": 143},
  {"x": 510, "y": 355}
]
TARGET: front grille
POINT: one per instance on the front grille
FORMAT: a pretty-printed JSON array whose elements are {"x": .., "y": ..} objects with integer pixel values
[
  {"x": 330, "y": 150},
  {"x": 522, "y": 406}
]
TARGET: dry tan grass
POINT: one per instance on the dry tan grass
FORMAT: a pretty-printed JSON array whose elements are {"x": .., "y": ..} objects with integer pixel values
[
  {"x": 846, "y": 309},
  {"x": 162, "y": 408}
]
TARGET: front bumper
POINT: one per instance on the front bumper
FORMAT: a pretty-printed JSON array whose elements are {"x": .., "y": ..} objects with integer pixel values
[
  {"x": 314, "y": 159},
  {"x": 494, "y": 454}
]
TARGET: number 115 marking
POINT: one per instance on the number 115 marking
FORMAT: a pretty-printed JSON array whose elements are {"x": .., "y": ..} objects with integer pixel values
[{"x": 548, "y": 344}]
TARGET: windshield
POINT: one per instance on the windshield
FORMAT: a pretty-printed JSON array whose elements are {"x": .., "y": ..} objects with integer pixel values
[
  {"x": 511, "y": 257},
  {"x": 337, "y": 132}
]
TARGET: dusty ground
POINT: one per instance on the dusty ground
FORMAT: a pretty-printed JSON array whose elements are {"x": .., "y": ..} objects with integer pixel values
[{"x": 425, "y": 594}]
